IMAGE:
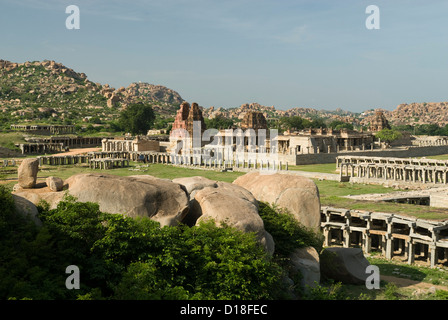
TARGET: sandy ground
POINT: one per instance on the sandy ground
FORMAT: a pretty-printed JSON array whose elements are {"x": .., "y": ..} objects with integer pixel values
[{"x": 73, "y": 152}]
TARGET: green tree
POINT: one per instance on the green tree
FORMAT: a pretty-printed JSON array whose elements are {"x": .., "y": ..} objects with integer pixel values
[
  {"x": 137, "y": 118},
  {"x": 337, "y": 124},
  {"x": 219, "y": 122},
  {"x": 318, "y": 123},
  {"x": 293, "y": 123},
  {"x": 388, "y": 135}
]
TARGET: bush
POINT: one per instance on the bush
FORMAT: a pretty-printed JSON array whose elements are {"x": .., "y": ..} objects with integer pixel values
[
  {"x": 126, "y": 258},
  {"x": 287, "y": 232}
]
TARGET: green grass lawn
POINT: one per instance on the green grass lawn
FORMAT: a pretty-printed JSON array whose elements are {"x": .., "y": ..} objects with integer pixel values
[
  {"x": 332, "y": 192},
  {"x": 324, "y": 168},
  {"x": 439, "y": 157}
]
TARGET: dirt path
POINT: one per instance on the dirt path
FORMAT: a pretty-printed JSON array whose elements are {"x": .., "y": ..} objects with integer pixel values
[
  {"x": 73, "y": 152},
  {"x": 412, "y": 284}
]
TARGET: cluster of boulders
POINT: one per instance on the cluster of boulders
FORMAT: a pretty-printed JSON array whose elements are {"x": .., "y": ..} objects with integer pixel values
[{"x": 192, "y": 200}]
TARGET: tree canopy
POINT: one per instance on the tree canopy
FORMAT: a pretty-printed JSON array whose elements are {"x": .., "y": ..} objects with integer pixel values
[
  {"x": 137, "y": 118},
  {"x": 388, "y": 135}
]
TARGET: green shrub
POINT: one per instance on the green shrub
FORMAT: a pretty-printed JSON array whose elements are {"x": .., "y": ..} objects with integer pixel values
[
  {"x": 287, "y": 232},
  {"x": 126, "y": 258},
  {"x": 331, "y": 292}
]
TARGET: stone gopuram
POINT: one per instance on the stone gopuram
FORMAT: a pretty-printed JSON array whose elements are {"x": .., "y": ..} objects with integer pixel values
[
  {"x": 379, "y": 122},
  {"x": 184, "y": 122},
  {"x": 254, "y": 120}
]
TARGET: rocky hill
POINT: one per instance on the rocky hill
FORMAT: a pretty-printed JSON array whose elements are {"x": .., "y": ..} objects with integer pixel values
[
  {"x": 413, "y": 114},
  {"x": 33, "y": 91},
  {"x": 272, "y": 113},
  {"x": 36, "y": 90}
]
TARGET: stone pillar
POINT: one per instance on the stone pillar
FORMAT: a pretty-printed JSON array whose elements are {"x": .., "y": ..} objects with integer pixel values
[
  {"x": 346, "y": 236},
  {"x": 327, "y": 233}
]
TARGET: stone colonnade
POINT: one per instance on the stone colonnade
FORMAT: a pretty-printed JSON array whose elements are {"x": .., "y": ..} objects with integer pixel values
[
  {"x": 51, "y": 129},
  {"x": 159, "y": 157},
  {"x": 392, "y": 234},
  {"x": 117, "y": 145},
  {"x": 394, "y": 169},
  {"x": 108, "y": 163},
  {"x": 63, "y": 160},
  {"x": 389, "y": 160},
  {"x": 41, "y": 148},
  {"x": 429, "y": 142},
  {"x": 238, "y": 164}
]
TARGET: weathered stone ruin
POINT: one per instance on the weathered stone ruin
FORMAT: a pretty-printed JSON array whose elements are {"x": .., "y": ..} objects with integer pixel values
[
  {"x": 392, "y": 234},
  {"x": 390, "y": 171},
  {"x": 254, "y": 120},
  {"x": 379, "y": 122}
]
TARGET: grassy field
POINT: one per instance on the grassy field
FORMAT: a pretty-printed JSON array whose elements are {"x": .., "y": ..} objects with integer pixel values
[
  {"x": 439, "y": 157},
  {"x": 331, "y": 192},
  {"x": 158, "y": 170},
  {"x": 324, "y": 168}
]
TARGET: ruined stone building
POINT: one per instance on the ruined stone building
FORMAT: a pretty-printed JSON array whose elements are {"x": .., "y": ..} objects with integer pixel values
[
  {"x": 137, "y": 144},
  {"x": 379, "y": 122},
  {"x": 325, "y": 140},
  {"x": 183, "y": 122},
  {"x": 254, "y": 120}
]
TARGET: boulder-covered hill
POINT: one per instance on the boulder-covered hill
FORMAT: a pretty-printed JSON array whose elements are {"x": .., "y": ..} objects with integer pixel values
[
  {"x": 413, "y": 114},
  {"x": 47, "y": 87},
  {"x": 270, "y": 112}
]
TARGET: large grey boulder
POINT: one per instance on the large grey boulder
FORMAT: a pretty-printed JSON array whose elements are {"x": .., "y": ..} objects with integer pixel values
[
  {"x": 194, "y": 184},
  {"x": 347, "y": 265},
  {"x": 26, "y": 208},
  {"x": 306, "y": 261},
  {"x": 225, "y": 203},
  {"x": 27, "y": 173},
  {"x": 54, "y": 183},
  {"x": 299, "y": 195},
  {"x": 135, "y": 196}
]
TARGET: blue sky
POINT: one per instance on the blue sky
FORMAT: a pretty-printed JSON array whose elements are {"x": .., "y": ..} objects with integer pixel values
[{"x": 302, "y": 53}]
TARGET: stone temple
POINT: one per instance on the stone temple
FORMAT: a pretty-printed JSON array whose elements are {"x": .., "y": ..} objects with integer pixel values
[
  {"x": 379, "y": 122},
  {"x": 254, "y": 120},
  {"x": 185, "y": 117}
]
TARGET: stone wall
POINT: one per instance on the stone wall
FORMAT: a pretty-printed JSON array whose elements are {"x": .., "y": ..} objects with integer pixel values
[{"x": 398, "y": 153}]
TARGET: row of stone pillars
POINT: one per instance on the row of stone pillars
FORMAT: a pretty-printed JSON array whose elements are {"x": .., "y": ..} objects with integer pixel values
[
  {"x": 237, "y": 164},
  {"x": 63, "y": 160},
  {"x": 108, "y": 163},
  {"x": 41, "y": 148},
  {"x": 414, "y": 174},
  {"x": 391, "y": 234}
]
